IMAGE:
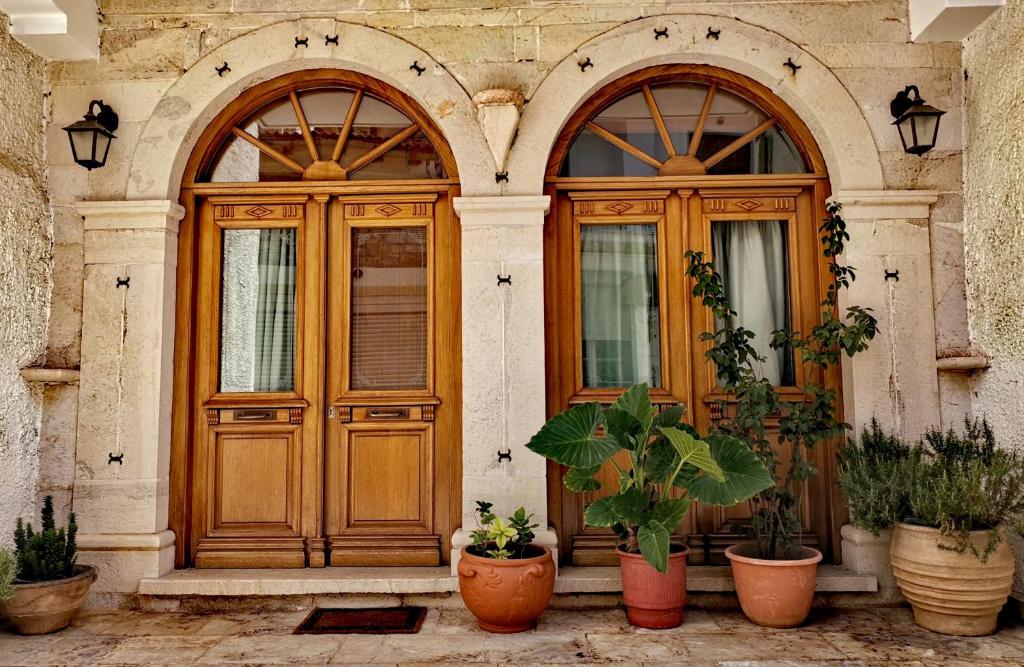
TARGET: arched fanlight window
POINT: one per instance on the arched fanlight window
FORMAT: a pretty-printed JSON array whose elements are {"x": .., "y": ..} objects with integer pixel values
[
  {"x": 326, "y": 133},
  {"x": 682, "y": 128}
]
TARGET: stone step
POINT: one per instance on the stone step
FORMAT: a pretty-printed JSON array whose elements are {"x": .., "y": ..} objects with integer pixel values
[{"x": 434, "y": 580}]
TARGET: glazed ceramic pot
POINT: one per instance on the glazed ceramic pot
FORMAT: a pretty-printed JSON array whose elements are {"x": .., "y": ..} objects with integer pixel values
[
  {"x": 507, "y": 595},
  {"x": 653, "y": 599},
  {"x": 38, "y": 608},
  {"x": 951, "y": 593},
  {"x": 774, "y": 593}
]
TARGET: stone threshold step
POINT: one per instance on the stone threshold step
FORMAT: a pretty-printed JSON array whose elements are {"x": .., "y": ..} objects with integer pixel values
[{"x": 427, "y": 580}]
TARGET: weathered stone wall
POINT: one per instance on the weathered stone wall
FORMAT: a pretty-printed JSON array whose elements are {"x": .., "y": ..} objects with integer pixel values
[
  {"x": 25, "y": 256},
  {"x": 994, "y": 215},
  {"x": 146, "y": 49}
]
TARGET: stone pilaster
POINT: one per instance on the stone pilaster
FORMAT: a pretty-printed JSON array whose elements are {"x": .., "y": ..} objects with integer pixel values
[
  {"x": 503, "y": 380},
  {"x": 124, "y": 417},
  {"x": 896, "y": 379}
]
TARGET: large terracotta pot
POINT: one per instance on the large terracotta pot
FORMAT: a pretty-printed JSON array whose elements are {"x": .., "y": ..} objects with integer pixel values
[
  {"x": 951, "y": 593},
  {"x": 507, "y": 595},
  {"x": 653, "y": 599},
  {"x": 774, "y": 593},
  {"x": 48, "y": 606}
]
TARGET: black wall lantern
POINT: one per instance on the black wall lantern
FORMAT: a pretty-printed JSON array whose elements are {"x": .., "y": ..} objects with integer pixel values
[
  {"x": 917, "y": 122},
  {"x": 90, "y": 137}
]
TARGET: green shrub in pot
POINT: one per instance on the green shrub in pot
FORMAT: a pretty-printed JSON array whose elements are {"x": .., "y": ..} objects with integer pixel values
[
  {"x": 8, "y": 570},
  {"x": 875, "y": 471},
  {"x": 950, "y": 555}
]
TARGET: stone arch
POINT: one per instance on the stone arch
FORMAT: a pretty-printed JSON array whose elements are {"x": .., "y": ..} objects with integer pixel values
[
  {"x": 814, "y": 93},
  {"x": 185, "y": 110}
]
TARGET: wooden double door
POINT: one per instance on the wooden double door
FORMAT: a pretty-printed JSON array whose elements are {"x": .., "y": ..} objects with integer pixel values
[
  {"x": 326, "y": 379},
  {"x": 620, "y": 310}
]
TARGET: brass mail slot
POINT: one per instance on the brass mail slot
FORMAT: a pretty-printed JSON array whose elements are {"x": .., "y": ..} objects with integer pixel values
[
  {"x": 387, "y": 413},
  {"x": 254, "y": 415}
]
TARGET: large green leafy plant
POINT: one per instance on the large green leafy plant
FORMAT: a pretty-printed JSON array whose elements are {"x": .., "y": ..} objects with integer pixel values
[
  {"x": 48, "y": 554},
  {"x": 801, "y": 423},
  {"x": 668, "y": 467}
]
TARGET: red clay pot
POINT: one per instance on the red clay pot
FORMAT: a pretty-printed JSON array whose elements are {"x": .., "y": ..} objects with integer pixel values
[
  {"x": 654, "y": 600},
  {"x": 774, "y": 593},
  {"x": 507, "y": 595}
]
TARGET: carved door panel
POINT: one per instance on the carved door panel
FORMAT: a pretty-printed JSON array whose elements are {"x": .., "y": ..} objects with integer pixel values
[
  {"x": 620, "y": 311},
  {"x": 255, "y": 477},
  {"x": 390, "y": 380}
]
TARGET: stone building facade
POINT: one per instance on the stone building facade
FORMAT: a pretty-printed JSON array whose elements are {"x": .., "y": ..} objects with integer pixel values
[{"x": 96, "y": 371}]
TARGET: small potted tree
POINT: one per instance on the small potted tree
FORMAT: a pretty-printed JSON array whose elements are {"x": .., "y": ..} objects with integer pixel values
[
  {"x": 775, "y": 575},
  {"x": 49, "y": 587},
  {"x": 950, "y": 555},
  {"x": 874, "y": 472},
  {"x": 668, "y": 467},
  {"x": 505, "y": 579}
]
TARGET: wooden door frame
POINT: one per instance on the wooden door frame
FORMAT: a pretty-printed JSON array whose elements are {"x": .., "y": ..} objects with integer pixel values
[
  {"x": 184, "y": 410},
  {"x": 560, "y": 347}
]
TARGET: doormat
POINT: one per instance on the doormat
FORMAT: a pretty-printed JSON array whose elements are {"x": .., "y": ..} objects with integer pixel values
[{"x": 380, "y": 621}]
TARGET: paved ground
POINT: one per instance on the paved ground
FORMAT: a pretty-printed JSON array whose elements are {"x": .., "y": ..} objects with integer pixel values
[{"x": 833, "y": 637}]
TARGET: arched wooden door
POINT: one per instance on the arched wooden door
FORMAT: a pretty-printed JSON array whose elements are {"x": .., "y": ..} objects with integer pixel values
[
  {"x": 665, "y": 160},
  {"x": 317, "y": 415}
]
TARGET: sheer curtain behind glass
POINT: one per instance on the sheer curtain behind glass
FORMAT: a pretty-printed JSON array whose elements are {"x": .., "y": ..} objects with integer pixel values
[
  {"x": 752, "y": 256},
  {"x": 621, "y": 327},
  {"x": 258, "y": 310}
]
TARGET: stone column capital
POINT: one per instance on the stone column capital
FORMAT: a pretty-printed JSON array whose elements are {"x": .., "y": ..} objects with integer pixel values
[
  {"x": 886, "y": 204},
  {"x": 147, "y": 214},
  {"x": 519, "y": 211}
]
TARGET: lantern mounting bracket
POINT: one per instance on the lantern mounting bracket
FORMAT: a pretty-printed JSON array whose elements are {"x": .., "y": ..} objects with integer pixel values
[
  {"x": 902, "y": 103},
  {"x": 106, "y": 117}
]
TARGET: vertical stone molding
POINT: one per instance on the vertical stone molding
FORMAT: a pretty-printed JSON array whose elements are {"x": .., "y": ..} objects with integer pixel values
[
  {"x": 124, "y": 417},
  {"x": 896, "y": 379},
  {"x": 503, "y": 381}
]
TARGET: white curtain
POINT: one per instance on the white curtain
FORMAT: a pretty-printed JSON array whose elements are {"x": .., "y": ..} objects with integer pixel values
[
  {"x": 751, "y": 257},
  {"x": 275, "y": 311},
  {"x": 621, "y": 330}
]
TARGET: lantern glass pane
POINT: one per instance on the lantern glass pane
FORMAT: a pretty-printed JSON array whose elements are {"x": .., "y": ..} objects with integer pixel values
[
  {"x": 102, "y": 147},
  {"x": 906, "y": 134},
  {"x": 927, "y": 128},
  {"x": 81, "y": 143}
]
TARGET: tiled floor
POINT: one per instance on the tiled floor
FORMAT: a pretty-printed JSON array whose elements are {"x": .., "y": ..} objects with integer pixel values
[{"x": 449, "y": 635}]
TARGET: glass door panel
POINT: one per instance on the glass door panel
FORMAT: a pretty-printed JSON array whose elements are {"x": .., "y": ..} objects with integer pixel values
[
  {"x": 257, "y": 341},
  {"x": 621, "y": 323},
  {"x": 389, "y": 308}
]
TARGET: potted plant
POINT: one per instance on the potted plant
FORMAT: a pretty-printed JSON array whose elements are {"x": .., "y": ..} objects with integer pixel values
[
  {"x": 49, "y": 587},
  {"x": 775, "y": 574},
  {"x": 950, "y": 556},
  {"x": 874, "y": 472},
  {"x": 505, "y": 579},
  {"x": 668, "y": 466},
  {"x": 8, "y": 570}
]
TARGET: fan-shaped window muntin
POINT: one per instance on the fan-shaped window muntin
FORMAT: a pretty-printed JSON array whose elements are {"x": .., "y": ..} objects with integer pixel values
[
  {"x": 327, "y": 132},
  {"x": 681, "y": 128}
]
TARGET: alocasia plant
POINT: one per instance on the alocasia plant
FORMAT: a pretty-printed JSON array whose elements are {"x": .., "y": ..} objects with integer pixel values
[{"x": 668, "y": 467}]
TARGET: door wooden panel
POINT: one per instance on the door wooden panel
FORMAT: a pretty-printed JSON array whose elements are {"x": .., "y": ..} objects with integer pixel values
[
  {"x": 389, "y": 367},
  {"x": 257, "y": 434},
  {"x": 685, "y": 218}
]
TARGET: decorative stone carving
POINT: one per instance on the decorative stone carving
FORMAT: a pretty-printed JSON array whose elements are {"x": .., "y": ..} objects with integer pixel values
[{"x": 497, "y": 110}]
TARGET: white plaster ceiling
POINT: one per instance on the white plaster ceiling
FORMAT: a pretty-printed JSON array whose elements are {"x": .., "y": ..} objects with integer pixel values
[
  {"x": 948, "y": 20},
  {"x": 56, "y": 29}
]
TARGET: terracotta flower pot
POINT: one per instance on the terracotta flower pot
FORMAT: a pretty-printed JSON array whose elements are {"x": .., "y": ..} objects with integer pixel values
[
  {"x": 654, "y": 600},
  {"x": 774, "y": 593},
  {"x": 507, "y": 595},
  {"x": 951, "y": 593},
  {"x": 47, "y": 606}
]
